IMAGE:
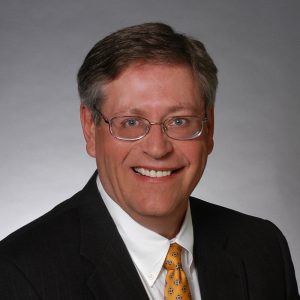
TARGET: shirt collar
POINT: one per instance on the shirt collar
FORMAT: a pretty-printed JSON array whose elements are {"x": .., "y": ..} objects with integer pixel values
[{"x": 147, "y": 248}]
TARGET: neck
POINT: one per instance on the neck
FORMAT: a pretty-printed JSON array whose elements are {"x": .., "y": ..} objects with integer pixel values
[{"x": 166, "y": 226}]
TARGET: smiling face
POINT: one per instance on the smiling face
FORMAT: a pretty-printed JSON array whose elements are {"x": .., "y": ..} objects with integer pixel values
[{"x": 152, "y": 178}]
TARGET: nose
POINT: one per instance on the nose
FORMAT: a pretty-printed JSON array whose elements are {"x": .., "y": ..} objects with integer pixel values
[{"x": 156, "y": 143}]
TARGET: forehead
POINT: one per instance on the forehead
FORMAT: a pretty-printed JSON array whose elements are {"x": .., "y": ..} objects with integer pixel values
[{"x": 153, "y": 87}]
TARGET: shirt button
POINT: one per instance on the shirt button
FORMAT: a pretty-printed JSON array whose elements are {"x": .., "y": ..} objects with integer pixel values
[{"x": 150, "y": 276}]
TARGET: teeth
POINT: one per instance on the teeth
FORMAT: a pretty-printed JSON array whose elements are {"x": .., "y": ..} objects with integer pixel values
[{"x": 152, "y": 173}]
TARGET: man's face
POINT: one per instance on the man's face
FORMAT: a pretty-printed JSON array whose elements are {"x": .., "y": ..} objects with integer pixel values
[{"x": 155, "y": 92}]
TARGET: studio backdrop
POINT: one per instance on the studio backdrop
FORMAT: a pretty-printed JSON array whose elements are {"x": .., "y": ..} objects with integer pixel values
[{"x": 254, "y": 167}]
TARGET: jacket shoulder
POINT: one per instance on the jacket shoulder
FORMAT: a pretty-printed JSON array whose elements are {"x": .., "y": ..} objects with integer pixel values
[
  {"x": 226, "y": 218},
  {"x": 59, "y": 226},
  {"x": 56, "y": 224},
  {"x": 258, "y": 243},
  {"x": 241, "y": 233}
]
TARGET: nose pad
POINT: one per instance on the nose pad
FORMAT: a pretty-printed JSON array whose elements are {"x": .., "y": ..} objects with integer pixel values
[
  {"x": 163, "y": 130},
  {"x": 157, "y": 143}
]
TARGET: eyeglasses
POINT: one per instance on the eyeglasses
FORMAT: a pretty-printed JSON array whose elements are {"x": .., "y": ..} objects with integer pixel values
[{"x": 133, "y": 128}]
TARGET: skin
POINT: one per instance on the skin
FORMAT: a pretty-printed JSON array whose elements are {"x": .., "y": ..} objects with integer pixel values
[{"x": 156, "y": 92}]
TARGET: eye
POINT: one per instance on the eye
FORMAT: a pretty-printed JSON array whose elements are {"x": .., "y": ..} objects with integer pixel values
[
  {"x": 130, "y": 122},
  {"x": 178, "y": 122}
]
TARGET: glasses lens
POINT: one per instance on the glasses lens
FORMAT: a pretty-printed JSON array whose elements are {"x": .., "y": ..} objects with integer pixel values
[
  {"x": 183, "y": 128},
  {"x": 132, "y": 128},
  {"x": 129, "y": 128}
]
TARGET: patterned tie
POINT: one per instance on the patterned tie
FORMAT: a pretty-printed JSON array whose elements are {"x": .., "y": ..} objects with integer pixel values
[{"x": 176, "y": 286}]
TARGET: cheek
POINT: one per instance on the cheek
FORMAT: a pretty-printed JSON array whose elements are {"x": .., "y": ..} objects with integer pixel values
[
  {"x": 196, "y": 156},
  {"x": 108, "y": 163},
  {"x": 105, "y": 157},
  {"x": 110, "y": 156},
  {"x": 195, "y": 152}
]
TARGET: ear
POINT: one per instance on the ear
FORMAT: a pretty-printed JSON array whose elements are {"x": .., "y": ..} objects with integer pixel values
[
  {"x": 88, "y": 128},
  {"x": 210, "y": 129}
]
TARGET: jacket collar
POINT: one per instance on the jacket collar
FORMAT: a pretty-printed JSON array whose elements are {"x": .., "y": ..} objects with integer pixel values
[
  {"x": 221, "y": 274},
  {"x": 103, "y": 247}
]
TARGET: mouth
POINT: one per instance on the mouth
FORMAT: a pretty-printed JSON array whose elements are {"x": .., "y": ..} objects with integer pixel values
[{"x": 153, "y": 173}]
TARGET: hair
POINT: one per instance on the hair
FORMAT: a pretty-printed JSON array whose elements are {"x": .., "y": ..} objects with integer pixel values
[{"x": 146, "y": 43}]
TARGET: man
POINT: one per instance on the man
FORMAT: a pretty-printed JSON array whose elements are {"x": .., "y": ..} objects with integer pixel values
[{"x": 147, "y": 113}]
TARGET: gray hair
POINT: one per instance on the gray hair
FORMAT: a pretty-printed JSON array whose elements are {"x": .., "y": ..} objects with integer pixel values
[{"x": 145, "y": 43}]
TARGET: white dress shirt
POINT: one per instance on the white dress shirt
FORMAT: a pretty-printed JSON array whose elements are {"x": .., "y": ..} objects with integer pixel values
[{"x": 148, "y": 249}]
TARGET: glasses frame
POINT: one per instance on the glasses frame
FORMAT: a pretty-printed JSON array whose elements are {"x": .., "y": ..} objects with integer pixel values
[{"x": 162, "y": 124}]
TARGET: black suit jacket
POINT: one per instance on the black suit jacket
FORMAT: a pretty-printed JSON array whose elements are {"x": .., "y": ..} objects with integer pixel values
[{"x": 75, "y": 252}]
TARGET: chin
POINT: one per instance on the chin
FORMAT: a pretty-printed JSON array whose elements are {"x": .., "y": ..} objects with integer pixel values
[{"x": 158, "y": 208}]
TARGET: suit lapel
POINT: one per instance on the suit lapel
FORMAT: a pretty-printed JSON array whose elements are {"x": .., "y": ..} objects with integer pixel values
[
  {"x": 221, "y": 275},
  {"x": 113, "y": 274},
  {"x": 115, "y": 277}
]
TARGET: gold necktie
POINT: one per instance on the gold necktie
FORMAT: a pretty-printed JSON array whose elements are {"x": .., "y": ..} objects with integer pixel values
[{"x": 176, "y": 286}]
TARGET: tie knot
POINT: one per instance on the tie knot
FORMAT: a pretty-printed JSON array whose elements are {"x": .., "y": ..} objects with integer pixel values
[{"x": 173, "y": 258}]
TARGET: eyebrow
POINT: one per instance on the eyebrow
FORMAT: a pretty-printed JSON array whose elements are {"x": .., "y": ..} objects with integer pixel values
[{"x": 173, "y": 109}]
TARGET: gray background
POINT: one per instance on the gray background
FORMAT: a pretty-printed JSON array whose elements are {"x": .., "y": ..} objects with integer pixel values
[{"x": 255, "y": 164}]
